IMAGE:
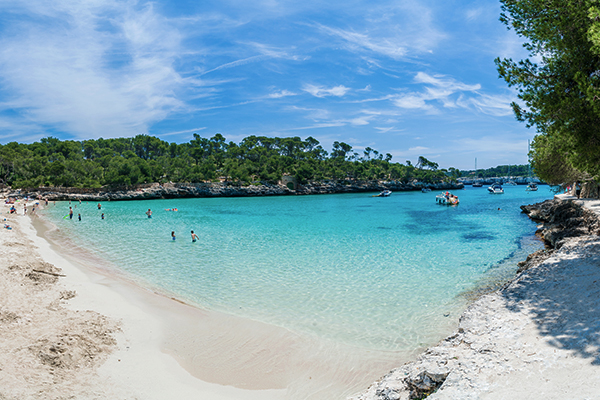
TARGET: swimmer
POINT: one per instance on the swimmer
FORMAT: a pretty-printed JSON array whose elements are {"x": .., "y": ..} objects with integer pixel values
[
  {"x": 99, "y": 206},
  {"x": 149, "y": 213},
  {"x": 194, "y": 237},
  {"x": 70, "y": 213},
  {"x": 173, "y": 235},
  {"x": 79, "y": 216},
  {"x": 102, "y": 216}
]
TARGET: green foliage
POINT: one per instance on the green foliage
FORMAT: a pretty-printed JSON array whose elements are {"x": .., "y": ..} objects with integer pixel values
[
  {"x": 146, "y": 159},
  {"x": 561, "y": 88}
]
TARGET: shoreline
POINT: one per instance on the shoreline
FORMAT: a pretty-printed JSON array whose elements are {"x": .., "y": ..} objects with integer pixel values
[
  {"x": 223, "y": 189},
  {"x": 55, "y": 347},
  {"x": 537, "y": 337},
  {"x": 249, "y": 360},
  {"x": 165, "y": 373}
]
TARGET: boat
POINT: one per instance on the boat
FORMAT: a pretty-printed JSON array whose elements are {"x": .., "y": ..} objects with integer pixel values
[
  {"x": 510, "y": 183},
  {"x": 532, "y": 187},
  {"x": 384, "y": 193},
  {"x": 496, "y": 189},
  {"x": 446, "y": 199},
  {"x": 477, "y": 184},
  {"x": 425, "y": 190}
]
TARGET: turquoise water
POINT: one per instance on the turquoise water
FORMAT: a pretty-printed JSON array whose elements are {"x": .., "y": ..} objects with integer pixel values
[{"x": 380, "y": 273}]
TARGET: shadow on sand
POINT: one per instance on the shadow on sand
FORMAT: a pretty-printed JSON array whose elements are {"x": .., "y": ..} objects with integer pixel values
[{"x": 563, "y": 296}]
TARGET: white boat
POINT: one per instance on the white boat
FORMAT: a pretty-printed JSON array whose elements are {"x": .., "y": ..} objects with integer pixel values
[
  {"x": 532, "y": 187},
  {"x": 446, "y": 199},
  {"x": 384, "y": 193},
  {"x": 510, "y": 183},
  {"x": 425, "y": 190},
  {"x": 496, "y": 189},
  {"x": 477, "y": 184}
]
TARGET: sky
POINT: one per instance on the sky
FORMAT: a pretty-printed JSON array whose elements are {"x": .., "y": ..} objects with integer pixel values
[{"x": 409, "y": 78}]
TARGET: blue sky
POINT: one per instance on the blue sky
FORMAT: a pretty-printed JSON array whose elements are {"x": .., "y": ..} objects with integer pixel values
[{"x": 409, "y": 78}]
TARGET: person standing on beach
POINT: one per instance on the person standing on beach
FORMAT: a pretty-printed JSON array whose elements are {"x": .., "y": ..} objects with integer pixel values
[
  {"x": 173, "y": 235},
  {"x": 194, "y": 237},
  {"x": 70, "y": 213},
  {"x": 149, "y": 213}
]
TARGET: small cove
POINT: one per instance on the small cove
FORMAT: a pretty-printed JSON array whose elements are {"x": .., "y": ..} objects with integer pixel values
[{"x": 385, "y": 274}]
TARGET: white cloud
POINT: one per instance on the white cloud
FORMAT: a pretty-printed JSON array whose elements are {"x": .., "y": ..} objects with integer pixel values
[
  {"x": 317, "y": 126},
  {"x": 236, "y": 63},
  {"x": 194, "y": 130},
  {"x": 473, "y": 14},
  {"x": 320, "y": 91},
  {"x": 99, "y": 68},
  {"x": 360, "y": 121},
  {"x": 384, "y": 46},
  {"x": 280, "y": 94},
  {"x": 498, "y": 105}
]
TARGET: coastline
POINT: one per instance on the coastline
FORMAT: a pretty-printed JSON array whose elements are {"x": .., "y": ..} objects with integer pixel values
[
  {"x": 222, "y": 189},
  {"x": 537, "y": 337},
  {"x": 143, "y": 354},
  {"x": 158, "y": 345},
  {"x": 69, "y": 331}
]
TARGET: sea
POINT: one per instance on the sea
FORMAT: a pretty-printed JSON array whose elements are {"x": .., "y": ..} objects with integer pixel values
[{"x": 383, "y": 273}]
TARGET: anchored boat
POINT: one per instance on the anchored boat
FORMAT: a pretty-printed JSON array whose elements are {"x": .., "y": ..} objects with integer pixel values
[
  {"x": 446, "y": 199},
  {"x": 496, "y": 189},
  {"x": 384, "y": 193},
  {"x": 532, "y": 187}
]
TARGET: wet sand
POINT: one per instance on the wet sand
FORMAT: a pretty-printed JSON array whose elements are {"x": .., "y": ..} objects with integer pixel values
[{"x": 75, "y": 331}]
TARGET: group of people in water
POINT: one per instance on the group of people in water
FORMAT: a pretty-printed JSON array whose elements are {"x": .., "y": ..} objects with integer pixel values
[{"x": 148, "y": 214}]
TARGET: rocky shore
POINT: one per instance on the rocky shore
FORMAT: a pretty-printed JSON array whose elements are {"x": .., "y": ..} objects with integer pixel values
[
  {"x": 222, "y": 189},
  {"x": 537, "y": 338}
]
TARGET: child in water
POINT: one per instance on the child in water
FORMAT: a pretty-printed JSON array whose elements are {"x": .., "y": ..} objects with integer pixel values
[
  {"x": 173, "y": 235},
  {"x": 194, "y": 237}
]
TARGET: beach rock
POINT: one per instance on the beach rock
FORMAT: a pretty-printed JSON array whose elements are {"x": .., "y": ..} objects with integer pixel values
[
  {"x": 223, "y": 189},
  {"x": 562, "y": 219}
]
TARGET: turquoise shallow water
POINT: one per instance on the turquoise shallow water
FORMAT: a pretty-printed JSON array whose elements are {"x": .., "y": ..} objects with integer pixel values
[{"x": 380, "y": 273}]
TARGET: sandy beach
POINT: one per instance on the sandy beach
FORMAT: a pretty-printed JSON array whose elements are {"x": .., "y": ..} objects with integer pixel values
[{"x": 71, "y": 330}]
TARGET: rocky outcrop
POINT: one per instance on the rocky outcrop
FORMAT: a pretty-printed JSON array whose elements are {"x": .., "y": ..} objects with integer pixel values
[
  {"x": 222, "y": 189},
  {"x": 562, "y": 219}
]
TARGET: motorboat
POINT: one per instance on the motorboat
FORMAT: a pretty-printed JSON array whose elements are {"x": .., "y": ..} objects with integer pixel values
[
  {"x": 496, "y": 189},
  {"x": 425, "y": 190},
  {"x": 446, "y": 199},
  {"x": 532, "y": 187},
  {"x": 477, "y": 184},
  {"x": 384, "y": 193},
  {"x": 510, "y": 183}
]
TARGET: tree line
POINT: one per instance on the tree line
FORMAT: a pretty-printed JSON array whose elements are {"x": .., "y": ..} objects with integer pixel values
[
  {"x": 558, "y": 85},
  {"x": 147, "y": 159}
]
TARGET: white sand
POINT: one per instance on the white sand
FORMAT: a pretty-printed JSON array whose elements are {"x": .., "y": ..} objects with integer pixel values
[
  {"x": 539, "y": 338},
  {"x": 54, "y": 347},
  {"x": 136, "y": 344}
]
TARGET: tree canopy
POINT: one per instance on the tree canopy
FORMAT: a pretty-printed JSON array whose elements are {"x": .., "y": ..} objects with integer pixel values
[
  {"x": 147, "y": 159},
  {"x": 559, "y": 84}
]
